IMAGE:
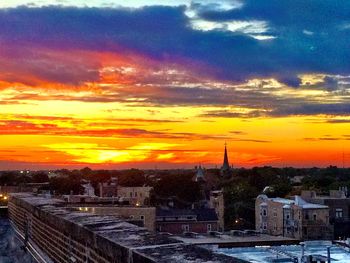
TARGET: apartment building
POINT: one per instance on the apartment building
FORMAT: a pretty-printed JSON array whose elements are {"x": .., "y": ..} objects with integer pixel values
[
  {"x": 294, "y": 218},
  {"x": 339, "y": 209}
]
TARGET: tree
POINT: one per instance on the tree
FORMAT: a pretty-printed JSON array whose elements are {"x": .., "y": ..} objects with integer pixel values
[
  {"x": 180, "y": 186},
  {"x": 40, "y": 177},
  {"x": 132, "y": 177}
]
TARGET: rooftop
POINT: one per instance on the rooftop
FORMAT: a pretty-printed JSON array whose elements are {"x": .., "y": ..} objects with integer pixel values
[
  {"x": 112, "y": 232},
  {"x": 298, "y": 201},
  {"x": 267, "y": 254}
]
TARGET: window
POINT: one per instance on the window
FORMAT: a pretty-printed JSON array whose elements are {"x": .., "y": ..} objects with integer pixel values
[
  {"x": 264, "y": 226},
  {"x": 275, "y": 212},
  {"x": 287, "y": 216},
  {"x": 135, "y": 194},
  {"x": 264, "y": 212},
  {"x": 130, "y": 194},
  {"x": 275, "y": 227},
  {"x": 306, "y": 216},
  {"x": 142, "y": 217},
  {"x": 185, "y": 228},
  {"x": 314, "y": 217},
  {"x": 338, "y": 213},
  {"x": 208, "y": 227}
]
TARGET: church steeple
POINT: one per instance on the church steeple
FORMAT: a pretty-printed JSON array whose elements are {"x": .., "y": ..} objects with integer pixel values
[
  {"x": 225, "y": 169},
  {"x": 225, "y": 165}
]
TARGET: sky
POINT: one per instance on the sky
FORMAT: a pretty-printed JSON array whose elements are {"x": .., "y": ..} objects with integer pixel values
[{"x": 165, "y": 84}]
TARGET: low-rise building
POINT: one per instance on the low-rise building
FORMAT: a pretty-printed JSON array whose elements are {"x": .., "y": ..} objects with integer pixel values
[
  {"x": 339, "y": 209},
  {"x": 53, "y": 232},
  {"x": 178, "y": 221},
  {"x": 109, "y": 188},
  {"x": 138, "y": 196},
  {"x": 293, "y": 218},
  {"x": 216, "y": 201}
]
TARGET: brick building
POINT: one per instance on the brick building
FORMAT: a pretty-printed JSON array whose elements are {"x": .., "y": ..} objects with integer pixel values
[
  {"x": 178, "y": 221},
  {"x": 135, "y": 195},
  {"x": 293, "y": 218},
  {"x": 339, "y": 209},
  {"x": 216, "y": 201},
  {"x": 109, "y": 188}
]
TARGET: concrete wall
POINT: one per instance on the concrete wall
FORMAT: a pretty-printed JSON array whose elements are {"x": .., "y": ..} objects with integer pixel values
[{"x": 62, "y": 240}]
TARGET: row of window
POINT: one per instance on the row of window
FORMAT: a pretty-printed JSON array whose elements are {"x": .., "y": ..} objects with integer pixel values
[
  {"x": 338, "y": 214},
  {"x": 186, "y": 228}
]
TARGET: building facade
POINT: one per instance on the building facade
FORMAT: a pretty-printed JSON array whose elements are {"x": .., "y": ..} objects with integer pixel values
[
  {"x": 339, "y": 209},
  {"x": 178, "y": 221},
  {"x": 135, "y": 195},
  {"x": 294, "y": 218},
  {"x": 216, "y": 201},
  {"x": 109, "y": 188}
]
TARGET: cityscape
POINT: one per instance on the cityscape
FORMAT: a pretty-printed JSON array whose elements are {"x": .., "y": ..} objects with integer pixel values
[{"x": 182, "y": 131}]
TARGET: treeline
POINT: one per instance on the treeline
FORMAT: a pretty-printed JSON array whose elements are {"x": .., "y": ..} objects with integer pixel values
[{"x": 240, "y": 190}]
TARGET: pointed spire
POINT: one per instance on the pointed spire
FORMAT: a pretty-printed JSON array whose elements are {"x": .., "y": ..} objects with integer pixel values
[{"x": 225, "y": 165}]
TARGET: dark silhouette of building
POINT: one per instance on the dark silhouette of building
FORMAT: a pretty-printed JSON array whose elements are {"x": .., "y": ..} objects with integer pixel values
[
  {"x": 226, "y": 170},
  {"x": 200, "y": 174}
]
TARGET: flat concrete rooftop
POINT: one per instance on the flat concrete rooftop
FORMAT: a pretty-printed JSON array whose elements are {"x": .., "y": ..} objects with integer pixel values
[
  {"x": 111, "y": 233},
  {"x": 238, "y": 241}
]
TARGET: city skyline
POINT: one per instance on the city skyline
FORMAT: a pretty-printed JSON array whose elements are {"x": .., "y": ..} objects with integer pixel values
[{"x": 112, "y": 85}]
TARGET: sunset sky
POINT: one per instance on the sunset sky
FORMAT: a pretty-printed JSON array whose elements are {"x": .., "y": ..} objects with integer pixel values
[{"x": 121, "y": 84}]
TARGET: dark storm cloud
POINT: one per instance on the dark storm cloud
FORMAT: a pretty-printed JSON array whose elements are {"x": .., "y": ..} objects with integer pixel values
[
  {"x": 337, "y": 109},
  {"x": 294, "y": 109},
  {"x": 310, "y": 36}
]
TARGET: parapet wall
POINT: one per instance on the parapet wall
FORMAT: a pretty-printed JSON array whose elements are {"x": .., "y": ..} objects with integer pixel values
[{"x": 63, "y": 235}]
